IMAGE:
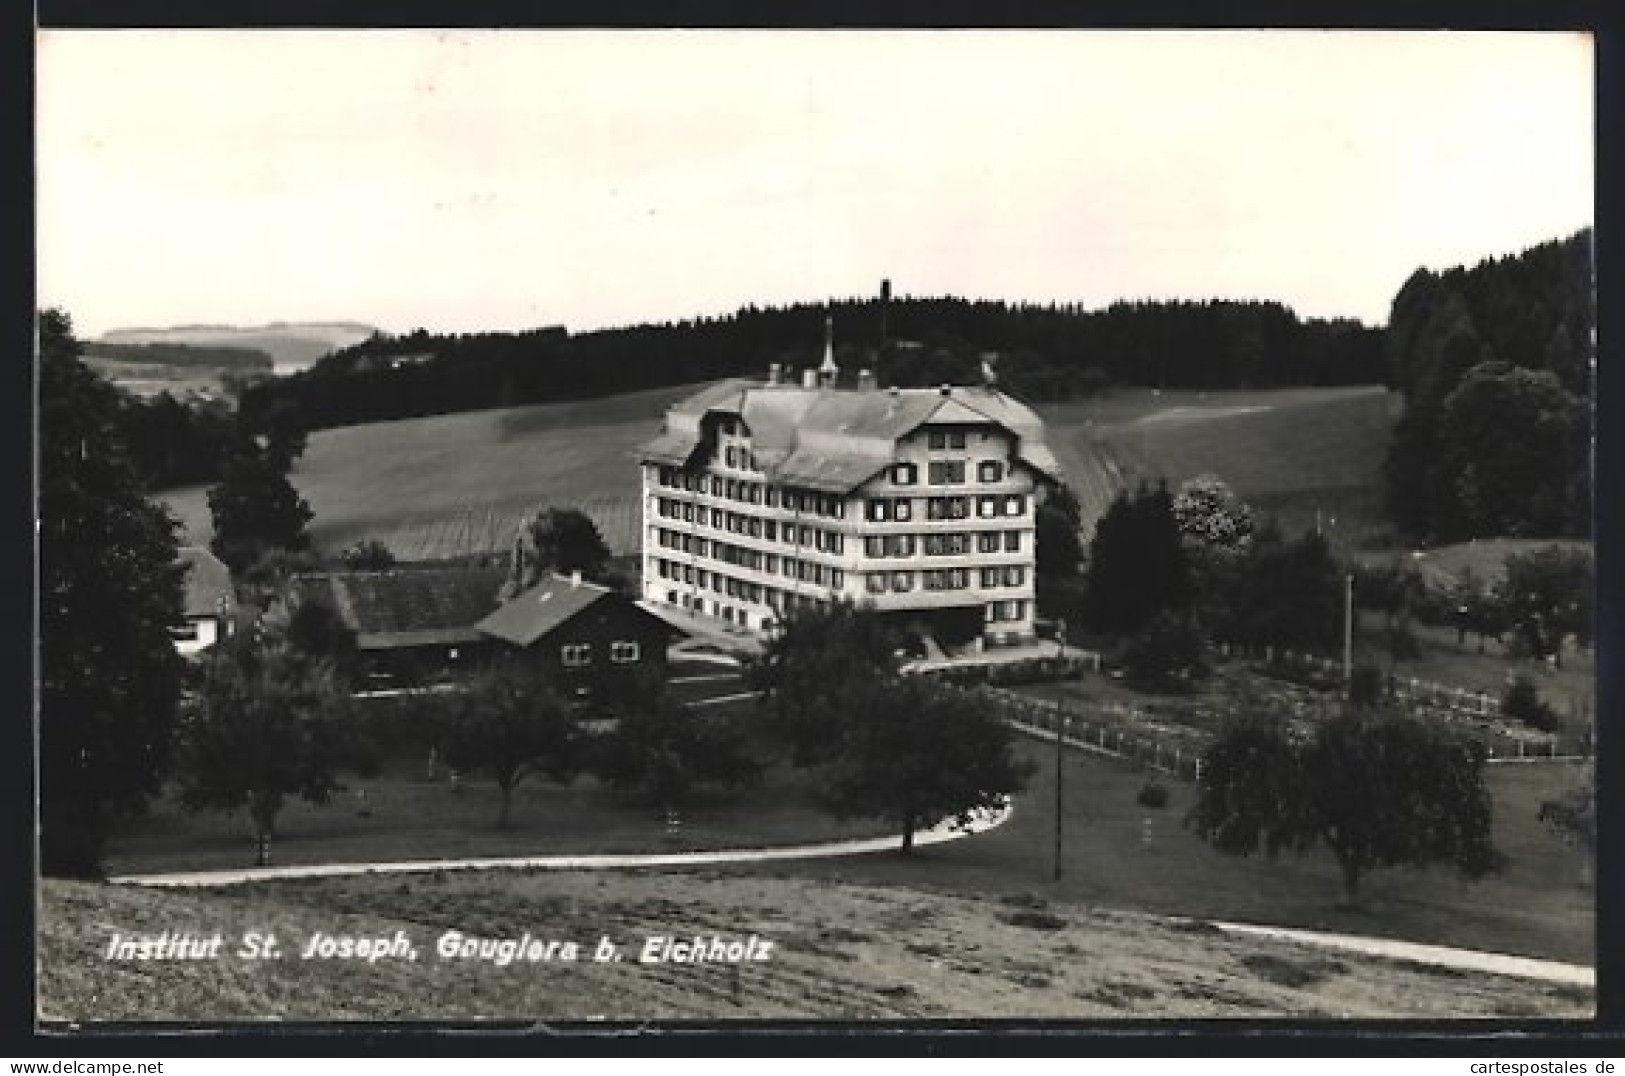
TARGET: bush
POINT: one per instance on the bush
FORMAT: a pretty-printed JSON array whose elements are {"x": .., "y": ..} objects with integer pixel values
[
  {"x": 1153, "y": 795},
  {"x": 1366, "y": 686},
  {"x": 1522, "y": 702},
  {"x": 1403, "y": 644},
  {"x": 1167, "y": 651}
]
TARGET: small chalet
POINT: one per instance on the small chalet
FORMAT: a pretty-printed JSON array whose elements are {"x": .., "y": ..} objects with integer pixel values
[
  {"x": 579, "y": 629},
  {"x": 209, "y": 602},
  {"x": 421, "y": 623}
]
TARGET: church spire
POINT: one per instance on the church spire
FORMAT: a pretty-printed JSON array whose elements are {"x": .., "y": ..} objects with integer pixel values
[{"x": 827, "y": 370}]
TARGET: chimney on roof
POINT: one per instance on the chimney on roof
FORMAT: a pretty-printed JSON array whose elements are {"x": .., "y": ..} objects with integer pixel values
[
  {"x": 775, "y": 373},
  {"x": 866, "y": 380},
  {"x": 946, "y": 390},
  {"x": 575, "y": 578},
  {"x": 809, "y": 378}
]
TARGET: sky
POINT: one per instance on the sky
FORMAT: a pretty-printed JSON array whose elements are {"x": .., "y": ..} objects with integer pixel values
[{"x": 498, "y": 180}]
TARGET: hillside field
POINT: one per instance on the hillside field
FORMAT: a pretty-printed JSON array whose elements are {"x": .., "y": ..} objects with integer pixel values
[
  {"x": 839, "y": 951},
  {"x": 459, "y": 484}
]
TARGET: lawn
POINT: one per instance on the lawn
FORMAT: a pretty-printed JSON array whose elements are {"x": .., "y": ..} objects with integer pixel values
[
  {"x": 1538, "y": 907},
  {"x": 403, "y": 815},
  {"x": 1570, "y": 690}
]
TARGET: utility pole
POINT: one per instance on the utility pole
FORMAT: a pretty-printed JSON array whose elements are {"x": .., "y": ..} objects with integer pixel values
[
  {"x": 1348, "y": 631},
  {"x": 1060, "y": 724}
]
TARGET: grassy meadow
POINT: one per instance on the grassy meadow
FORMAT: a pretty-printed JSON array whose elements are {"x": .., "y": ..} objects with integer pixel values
[
  {"x": 458, "y": 484},
  {"x": 1538, "y": 907}
]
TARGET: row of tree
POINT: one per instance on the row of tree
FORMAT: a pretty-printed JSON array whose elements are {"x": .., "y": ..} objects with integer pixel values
[
  {"x": 1495, "y": 365},
  {"x": 1044, "y": 353},
  {"x": 176, "y": 444},
  {"x": 1166, "y": 570},
  {"x": 183, "y": 356},
  {"x": 273, "y": 719}
]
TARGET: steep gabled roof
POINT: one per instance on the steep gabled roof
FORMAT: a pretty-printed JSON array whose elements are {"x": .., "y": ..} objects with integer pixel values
[
  {"x": 536, "y": 612},
  {"x": 533, "y": 613},
  {"x": 835, "y": 439},
  {"x": 207, "y": 584}
]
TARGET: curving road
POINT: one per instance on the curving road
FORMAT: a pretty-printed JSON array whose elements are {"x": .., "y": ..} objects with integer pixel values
[{"x": 943, "y": 831}]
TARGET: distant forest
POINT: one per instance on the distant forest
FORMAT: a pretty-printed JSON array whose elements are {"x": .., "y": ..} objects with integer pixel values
[
  {"x": 1040, "y": 353},
  {"x": 181, "y": 355},
  {"x": 1496, "y": 366}
]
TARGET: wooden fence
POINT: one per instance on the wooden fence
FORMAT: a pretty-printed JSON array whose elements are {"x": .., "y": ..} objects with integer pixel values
[{"x": 1109, "y": 729}]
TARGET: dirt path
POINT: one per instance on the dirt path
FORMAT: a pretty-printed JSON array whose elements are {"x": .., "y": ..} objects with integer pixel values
[{"x": 945, "y": 831}]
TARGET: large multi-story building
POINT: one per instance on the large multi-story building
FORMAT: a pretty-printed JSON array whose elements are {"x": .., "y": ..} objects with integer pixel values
[{"x": 760, "y": 497}]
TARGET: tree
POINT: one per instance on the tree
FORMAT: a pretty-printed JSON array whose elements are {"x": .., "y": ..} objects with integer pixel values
[
  {"x": 913, "y": 753},
  {"x": 316, "y": 630},
  {"x": 1522, "y": 702},
  {"x": 109, "y": 593},
  {"x": 1376, "y": 788},
  {"x": 1137, "y": 565},
  {"x": 661, "y": 748},
  {"x": 809, "y": 661},
  {"x": 1546, "y": 596},
  {"x": 1393, "y": 588},
  {"x": 269, "y": 723},
  {"x": 882, "y": 745},
  {"x": 256, "y": 509},
  {"x": 1211, "y": 516},
  {"x": 1505, "y": 437},
  {"x": 370, "y": 555},
  {"x": 1481, "y": 447},
  {"x": 1167, "y": 652},
  {"x": 1285, "y": 592},
  {"x": 511, "y": 723},
  {"x": 1573, "y": 818},
  {"x": 563, "y": 540},
  {"x": 1056, "y": 524}
]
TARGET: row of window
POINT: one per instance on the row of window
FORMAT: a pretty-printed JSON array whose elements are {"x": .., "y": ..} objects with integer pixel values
[
  {"x": 746, "y": 492},
  {"x": 791, "y": 568},
  {"x": 875, "y": 546},
  {"x": 901, "y": 509},
  {"x": 951, "y": 544},
  {"x": 577, "y": 655},
  {"x": 782, "y": 601},
  {"x": 946, "y": 472},
  {"x": 715, "y": 608},
  {"x": 824, "y": 541},
  {"x": 948, "y": 579},
  {"x": 1005, "y": 611},
  {"x": 740, "y": 457}
]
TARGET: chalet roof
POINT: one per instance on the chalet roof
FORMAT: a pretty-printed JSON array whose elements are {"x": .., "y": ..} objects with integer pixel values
[
  {"x": 534, "y": 612},
  {"x": 835, "y": 439},
  {"x": 207, "y": 584},
  {"x": 407, "y": 606},
  {"x": 537, "y": 611}
]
